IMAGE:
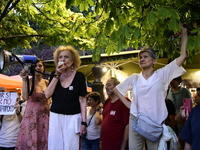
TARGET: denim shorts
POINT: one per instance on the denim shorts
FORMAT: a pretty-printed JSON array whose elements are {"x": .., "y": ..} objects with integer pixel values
[{"x": 89, "y": 144}]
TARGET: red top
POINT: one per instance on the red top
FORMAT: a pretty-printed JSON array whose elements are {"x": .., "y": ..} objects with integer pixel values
[{"x": 115, "y": 119}]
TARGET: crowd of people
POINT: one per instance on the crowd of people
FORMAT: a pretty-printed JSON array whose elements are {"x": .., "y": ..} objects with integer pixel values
[{"x": 61, "y": 115}]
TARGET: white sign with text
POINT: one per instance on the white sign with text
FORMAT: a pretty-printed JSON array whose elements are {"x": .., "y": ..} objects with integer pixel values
[{"x": 7, "y": 103}]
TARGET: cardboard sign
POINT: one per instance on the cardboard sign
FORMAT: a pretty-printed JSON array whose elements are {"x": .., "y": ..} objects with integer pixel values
[{"x": 7, "y": 103}]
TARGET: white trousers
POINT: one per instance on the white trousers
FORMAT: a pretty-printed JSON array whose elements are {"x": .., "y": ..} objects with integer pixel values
[{"x": 64, "y": 131}]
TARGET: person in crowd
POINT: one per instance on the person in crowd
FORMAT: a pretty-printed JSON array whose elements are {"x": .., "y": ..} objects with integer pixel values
[
  {"x": 115, "y": 124},
  {"x": 151, "y": 89},
  {"x": 170, "y": 120},
  {"x": 9, "y": 127},
  {"x": 196, "y": 97},
  {"x": 90, "y": 140},
  {"x": 191, "y": 133},
  {"x": 33, "y": 132},
  {"x": 68, "y": 110},
  {"x": 198, "y": 90},
  {"x": 2, "y": 89},
  {"x": 177, "y": 94},
  {"x": 23, "y": 107}
]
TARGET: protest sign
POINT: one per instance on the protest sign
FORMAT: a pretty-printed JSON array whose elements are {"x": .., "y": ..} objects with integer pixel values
[{"x": 7, "y": 103}]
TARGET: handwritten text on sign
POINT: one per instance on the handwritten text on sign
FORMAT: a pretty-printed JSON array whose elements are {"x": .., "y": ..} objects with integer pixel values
[{"x": 7, "y": 103}]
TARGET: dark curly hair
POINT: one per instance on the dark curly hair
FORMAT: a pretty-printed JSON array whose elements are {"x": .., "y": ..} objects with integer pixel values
[{"x": 94, "y": 95}]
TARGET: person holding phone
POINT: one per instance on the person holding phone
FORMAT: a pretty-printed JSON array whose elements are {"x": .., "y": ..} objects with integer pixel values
[
  {"x": 177, "y": 93},
  {"x": 191, "y": 133}
]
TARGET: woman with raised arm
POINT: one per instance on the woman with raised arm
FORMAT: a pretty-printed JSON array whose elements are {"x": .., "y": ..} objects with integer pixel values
[
  {"x": 33, "y": 132},
  {"x": 151, "y": 88},
  {"x": 68, "y": 110}
]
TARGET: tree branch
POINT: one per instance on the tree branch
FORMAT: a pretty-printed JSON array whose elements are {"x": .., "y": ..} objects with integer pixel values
[
  {"x": 7, "y": 9},
  {"x": 46, "y": 16},
  {"x": 21, "y": 36}
]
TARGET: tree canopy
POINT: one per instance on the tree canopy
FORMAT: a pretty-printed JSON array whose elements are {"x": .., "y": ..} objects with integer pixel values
[{"x": 100, "y": 25}]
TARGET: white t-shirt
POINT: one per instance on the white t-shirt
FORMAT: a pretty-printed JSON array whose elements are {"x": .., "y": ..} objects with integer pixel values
[
  {"x": 151, "y": 93},
  {"x": 93, "y": 130},
  {"x": 9, "y": 130}
]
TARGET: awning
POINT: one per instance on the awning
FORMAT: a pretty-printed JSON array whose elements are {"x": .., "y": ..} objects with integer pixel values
[{"x": 11, "y": 84}]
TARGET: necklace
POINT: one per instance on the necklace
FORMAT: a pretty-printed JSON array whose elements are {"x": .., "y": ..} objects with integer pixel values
[{"x": 67, "y": 74}]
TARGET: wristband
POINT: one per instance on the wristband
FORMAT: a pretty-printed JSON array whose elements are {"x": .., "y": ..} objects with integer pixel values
[
  {"x": 17, "y": 112},
  {"x": 99, "y": 110},
  {"x": 57, "y": 76},
  {"x": 84, "y": 123}
]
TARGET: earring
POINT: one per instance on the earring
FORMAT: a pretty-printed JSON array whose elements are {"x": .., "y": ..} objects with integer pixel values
[{"x": 72, "y": 68}]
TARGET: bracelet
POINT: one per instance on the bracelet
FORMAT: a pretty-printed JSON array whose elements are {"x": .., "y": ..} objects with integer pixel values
[
  {"x": 57, "y": 76},
  {"x": 84, "y": 123},
  {"x": 17, "y": 112},
  {"x": 100, "y": 142},
  {"x": 99, "y": 110}
]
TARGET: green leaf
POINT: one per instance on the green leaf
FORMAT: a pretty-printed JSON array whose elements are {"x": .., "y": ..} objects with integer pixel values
[
  {"x": 110, "y": 49},
  {"x": 97, "y": 8},
  {"x": 174, "y": 25},
  {"x": 197, "y": 41},
  {"x": 163, "y": 13},
  {"x": 137, "y": 33},
  {"x": 69, "y": 3},
  {"x": 114, "y": 36},
  {"x": 194, "y": 30},
  {"x": 109, "y": 25},
  {"x": 119, "y": 46},
  {"x": 152, "y": 18},
  {"x": 174, "y": 13},
  {"x": 190, "y": 43}
]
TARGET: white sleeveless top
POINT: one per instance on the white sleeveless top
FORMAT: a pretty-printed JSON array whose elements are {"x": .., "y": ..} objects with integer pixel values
[{"x": 93, "y": 130}]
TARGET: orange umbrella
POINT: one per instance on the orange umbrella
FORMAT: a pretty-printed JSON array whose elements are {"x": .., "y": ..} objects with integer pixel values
[{"x": 9, "y": 83}]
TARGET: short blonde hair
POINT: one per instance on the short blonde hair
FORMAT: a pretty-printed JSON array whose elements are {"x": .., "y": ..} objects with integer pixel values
[{"x": 72, "y": 50}]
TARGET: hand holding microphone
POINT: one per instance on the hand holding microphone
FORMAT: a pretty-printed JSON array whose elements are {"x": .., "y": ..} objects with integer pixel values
[{"x": 60, "y": 68}]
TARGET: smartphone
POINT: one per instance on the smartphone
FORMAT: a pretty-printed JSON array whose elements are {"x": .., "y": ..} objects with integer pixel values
[{"x": 187, "y": 103}]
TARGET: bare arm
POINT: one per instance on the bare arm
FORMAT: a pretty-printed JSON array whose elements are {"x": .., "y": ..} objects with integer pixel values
[
  {"x": 25, "y": 89},
  {"x": 125, "y": 138},
  {"x": 183, "y": 55},
  {"x": 122, "y": 98},
  {"x": 187, "y": 146},
  {"x": 82, "y": 101},
  {"x": 24, "y": 76},
  {"x": 98, "y": 119},
  {"x": 181, "y": 116},
  {"x": 51, "y": 88}
]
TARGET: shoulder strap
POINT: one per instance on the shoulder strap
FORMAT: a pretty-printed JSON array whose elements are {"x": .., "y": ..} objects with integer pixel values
[
  {"x": 135, "y": 86},
  {"x": 91, "y": 119},
  {"x": 135, "y": 89}
]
